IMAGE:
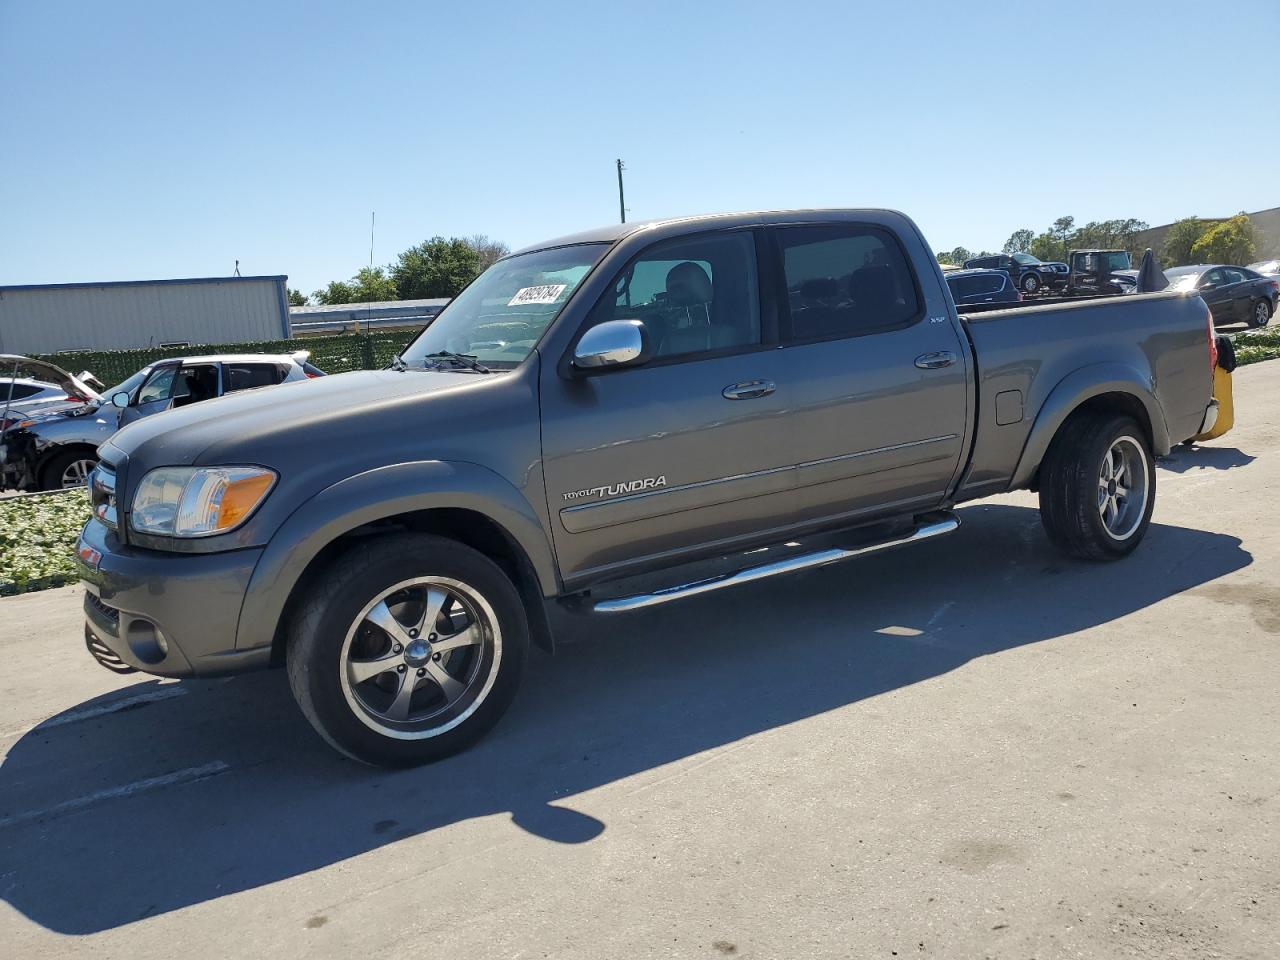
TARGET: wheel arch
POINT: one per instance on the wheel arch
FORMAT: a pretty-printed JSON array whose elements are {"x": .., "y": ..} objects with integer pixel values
[
  {"x": 465, "y": 502},
  {"x": 1100, "y": 388},
  {"x": 45, "y": 457}
]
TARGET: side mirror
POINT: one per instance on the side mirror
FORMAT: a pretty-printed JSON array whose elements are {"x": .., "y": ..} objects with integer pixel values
[
  {"x": 120, "y": 399},
  {"x": 614, "y": 343}
]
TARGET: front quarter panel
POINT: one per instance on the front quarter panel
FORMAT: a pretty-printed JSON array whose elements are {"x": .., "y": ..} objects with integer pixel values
[{"x": 376, "y": 495}]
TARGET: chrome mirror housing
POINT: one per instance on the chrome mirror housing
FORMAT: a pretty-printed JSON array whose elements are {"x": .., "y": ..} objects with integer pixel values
[{"x": 614, "y": 343}]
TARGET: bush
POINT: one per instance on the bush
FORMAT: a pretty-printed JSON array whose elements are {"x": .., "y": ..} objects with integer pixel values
[
  {"x": 337, "y": 354},
  {"x": 38, "y": 540}
]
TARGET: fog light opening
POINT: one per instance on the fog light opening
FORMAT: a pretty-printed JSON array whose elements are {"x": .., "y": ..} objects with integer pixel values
[{"x": 146, "y": 641}]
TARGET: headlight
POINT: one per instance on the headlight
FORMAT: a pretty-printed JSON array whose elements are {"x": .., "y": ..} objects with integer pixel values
[{"x": 198, "y": 501}]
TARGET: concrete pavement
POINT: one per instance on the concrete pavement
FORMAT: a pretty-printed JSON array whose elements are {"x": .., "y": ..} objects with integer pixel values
[{"x": 972, "y": 748}]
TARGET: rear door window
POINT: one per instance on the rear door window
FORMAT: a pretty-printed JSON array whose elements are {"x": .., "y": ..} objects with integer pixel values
[
  {"x": 247, "y": 376},
  {"x": 17, "y": 391},
  {"x": 846, "y": 280}
]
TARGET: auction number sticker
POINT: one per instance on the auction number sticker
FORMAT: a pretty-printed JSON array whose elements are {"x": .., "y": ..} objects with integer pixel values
[{"x": 547, "y": 293}]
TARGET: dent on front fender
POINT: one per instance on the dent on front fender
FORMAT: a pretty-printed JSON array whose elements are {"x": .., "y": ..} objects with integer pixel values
[{"x": 378, "y": 495}]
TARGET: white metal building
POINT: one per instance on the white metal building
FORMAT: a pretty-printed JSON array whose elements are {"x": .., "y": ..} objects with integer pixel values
[{"x": 48, "y": 318}]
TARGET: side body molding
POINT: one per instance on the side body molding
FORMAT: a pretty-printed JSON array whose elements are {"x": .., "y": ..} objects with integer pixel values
[
  {"x": 376, "y": 495},
  {"x": 1073, "y": 390}
]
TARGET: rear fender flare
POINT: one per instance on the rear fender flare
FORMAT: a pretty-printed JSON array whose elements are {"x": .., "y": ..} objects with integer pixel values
[
  {"x": 377, "y": 495},
  {"x": 1077, "y": 388}
]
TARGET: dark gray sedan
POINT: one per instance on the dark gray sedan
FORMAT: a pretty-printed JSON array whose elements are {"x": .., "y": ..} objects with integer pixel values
[{"x": 1234, "y": 294}]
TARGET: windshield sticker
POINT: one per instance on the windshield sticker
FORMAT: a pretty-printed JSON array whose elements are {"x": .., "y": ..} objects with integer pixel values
[{"x": 547, "y": 293}]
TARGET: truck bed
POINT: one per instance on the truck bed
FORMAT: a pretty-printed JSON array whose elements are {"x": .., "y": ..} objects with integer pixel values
[{"x": 1025, "y": 354}]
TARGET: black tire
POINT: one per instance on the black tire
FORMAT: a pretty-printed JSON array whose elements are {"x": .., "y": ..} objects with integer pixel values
[
  {"x": 1260, "y": 314},
  {"x": 52, "y": 473},
  {"x": 335, "y": 607},
  {"x": 1030, "y": 283},
  {"x": 1071, "y": 490}
]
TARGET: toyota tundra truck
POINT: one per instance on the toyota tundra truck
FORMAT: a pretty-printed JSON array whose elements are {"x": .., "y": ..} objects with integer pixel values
[{"x": 607, "y": 422}]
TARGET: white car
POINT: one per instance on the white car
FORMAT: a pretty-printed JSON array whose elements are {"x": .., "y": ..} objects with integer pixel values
[{"x": 20, "y": 395}]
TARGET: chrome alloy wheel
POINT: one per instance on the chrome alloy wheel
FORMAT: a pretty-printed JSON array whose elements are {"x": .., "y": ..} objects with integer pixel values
[
  {"x": 421, "y": 658},
  {"x": 76, "y": 473},
  {"x": 1261, "y": 313},
  {"x": 1123, "y": 487}
]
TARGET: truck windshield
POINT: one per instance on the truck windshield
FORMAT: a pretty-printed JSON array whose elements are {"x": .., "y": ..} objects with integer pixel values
[{"x": 500, "y": 316}]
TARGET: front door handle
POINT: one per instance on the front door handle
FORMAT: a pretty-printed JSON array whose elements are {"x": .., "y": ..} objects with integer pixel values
[
  {"x": 749, "y": 389},
  {"x": 935, "y": 361}
]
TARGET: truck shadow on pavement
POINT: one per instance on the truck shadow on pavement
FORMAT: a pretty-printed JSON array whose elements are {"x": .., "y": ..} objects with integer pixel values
[{"x": 220, "y": 787}]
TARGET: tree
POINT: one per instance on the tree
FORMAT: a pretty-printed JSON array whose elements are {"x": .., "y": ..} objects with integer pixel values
[
  {"x": 1231, "y": 241},
  {"x": 1062, "y": 231},
  {"x": 489, "y": 251},
  {"x": 1046, "y": 247},
  {"x": 955, "y": 257},
  {"x": 297, "y": 298},
  {"x": 1019, "y": 241},
  {"x": 1182, "y": 236},
  {"x": 435, "y": 268},
  {"x": 369, "y": 285}
]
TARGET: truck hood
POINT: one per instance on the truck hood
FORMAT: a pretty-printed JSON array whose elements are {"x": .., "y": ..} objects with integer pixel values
[{"x": 297, "y": 426}]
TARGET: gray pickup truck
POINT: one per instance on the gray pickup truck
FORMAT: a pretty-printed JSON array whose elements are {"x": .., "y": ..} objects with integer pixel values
[{"x": 606, "y": 422}]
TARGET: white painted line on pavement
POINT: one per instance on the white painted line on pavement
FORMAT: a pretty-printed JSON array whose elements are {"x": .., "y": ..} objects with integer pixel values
[
  {"x": 160, "y": 693},
  {"x": 190, "y": 775}
]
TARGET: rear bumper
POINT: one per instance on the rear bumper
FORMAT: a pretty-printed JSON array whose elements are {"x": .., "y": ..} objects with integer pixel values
[{"x": 172, "y": 615}]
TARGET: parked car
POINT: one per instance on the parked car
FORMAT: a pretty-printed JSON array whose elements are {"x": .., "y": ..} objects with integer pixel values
[
  {"x": 1028, "y": 274},
  {"x": 1234, "y": 294},
  {"x": 981, "y": 286},
  {"x": 55, "y": 450},
  {"x": 586, "y": 425},
  {"x": 19, "y": 394},
  {"x": 1268, "y": 268},
  {"x": 1052, "y": 274},
  {"x": 1100, "y": 273},
  {"x": 68, "y": 391}
]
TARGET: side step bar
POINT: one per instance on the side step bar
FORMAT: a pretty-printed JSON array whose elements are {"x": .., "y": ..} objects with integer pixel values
[{"x": 934, "y": 525}]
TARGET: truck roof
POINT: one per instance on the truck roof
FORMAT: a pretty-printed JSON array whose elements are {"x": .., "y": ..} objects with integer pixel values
[{"x": 617, "y": 231}]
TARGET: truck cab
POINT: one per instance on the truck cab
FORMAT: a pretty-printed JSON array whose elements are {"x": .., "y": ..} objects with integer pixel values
[{"x": 1092, "y": 273}]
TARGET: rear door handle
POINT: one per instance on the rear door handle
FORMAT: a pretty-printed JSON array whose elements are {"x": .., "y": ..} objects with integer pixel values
[
  {"x": 749, "y": 389},
  {"x": 934, "y": 361}
]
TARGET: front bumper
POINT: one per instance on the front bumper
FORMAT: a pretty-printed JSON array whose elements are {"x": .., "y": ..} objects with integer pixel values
[{"x": 172, "y": 615}]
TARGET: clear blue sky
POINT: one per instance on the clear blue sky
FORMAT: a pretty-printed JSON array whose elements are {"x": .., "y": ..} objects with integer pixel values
[{"x": 142, "y": 140}]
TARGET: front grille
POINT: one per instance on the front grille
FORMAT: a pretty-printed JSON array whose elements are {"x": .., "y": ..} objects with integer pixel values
[
  {"x": 109, "y": 613},
  {"x": 102, "y": 493}
]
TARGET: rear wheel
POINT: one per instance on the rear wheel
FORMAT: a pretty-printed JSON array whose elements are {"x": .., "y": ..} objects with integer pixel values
[
  {"x": 1031, "y": 283},
  {"x": 68, "y": 470},
  {"x": 1261, "y": 314},
  {"x": 407, "y": 650},
  {"x": 1097, "y": 487}
]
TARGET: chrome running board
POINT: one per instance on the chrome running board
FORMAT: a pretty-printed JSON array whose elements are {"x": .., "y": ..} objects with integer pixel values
[{"x": 935, "y": 525}]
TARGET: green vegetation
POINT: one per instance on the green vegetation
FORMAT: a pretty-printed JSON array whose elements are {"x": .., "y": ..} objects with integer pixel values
[
  {"x": 38, "y": 540},
  {"x": 1258, "y": 345},
  {"x": 431, "y": 269},
  {"x": 1193, "y": 240}
]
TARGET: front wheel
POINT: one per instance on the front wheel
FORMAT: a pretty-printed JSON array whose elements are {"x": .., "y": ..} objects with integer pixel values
[
  {"x": 1098, "y": 487},
  {"x": 68, "y": 470},
  {"x": 1261, "y": 314},
  {"x": 407, "y": 650},
  {"x": 1031, "y": 284}
]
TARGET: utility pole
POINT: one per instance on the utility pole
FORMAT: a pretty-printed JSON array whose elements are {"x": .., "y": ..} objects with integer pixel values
[
  {"x": 622, "y": 204},
  {"x": 373, "y": 219}
]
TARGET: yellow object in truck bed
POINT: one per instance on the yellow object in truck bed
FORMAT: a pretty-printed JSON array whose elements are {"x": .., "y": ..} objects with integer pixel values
[{"x": 1226, "y": 409}]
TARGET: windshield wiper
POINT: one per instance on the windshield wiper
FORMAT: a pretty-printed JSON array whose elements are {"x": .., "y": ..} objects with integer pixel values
[{"x": 462, "y": 359}]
